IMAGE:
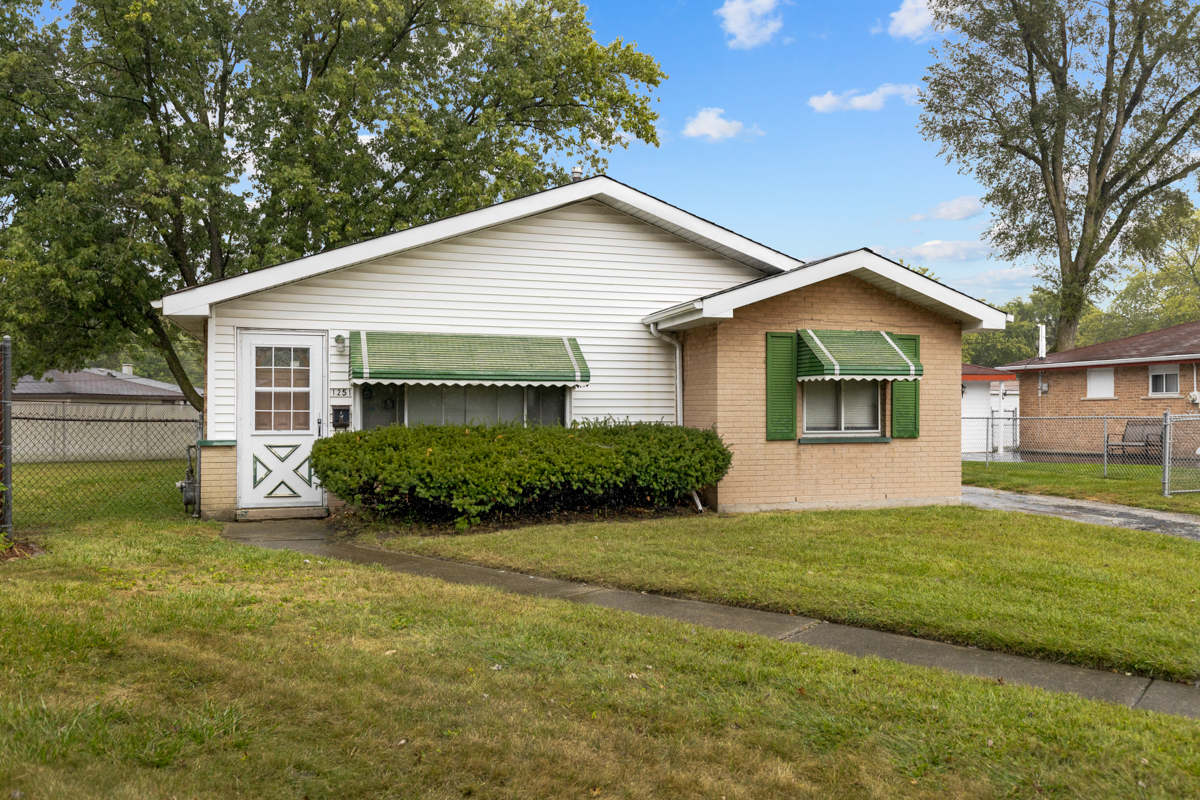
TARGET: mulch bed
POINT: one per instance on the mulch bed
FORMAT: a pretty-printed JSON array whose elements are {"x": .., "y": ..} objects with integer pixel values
[
  {"x": 351, "y": 522},
  {"x": 19, "y": 549}
]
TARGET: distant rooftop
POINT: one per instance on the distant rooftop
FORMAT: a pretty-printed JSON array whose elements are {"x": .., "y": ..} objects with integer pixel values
[
  {"x": 95, "y": 383},
  {"x": 1179, "y": 342}
]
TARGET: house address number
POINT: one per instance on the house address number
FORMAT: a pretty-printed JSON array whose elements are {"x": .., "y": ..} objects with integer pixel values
[{"x": 339, "y": 392}]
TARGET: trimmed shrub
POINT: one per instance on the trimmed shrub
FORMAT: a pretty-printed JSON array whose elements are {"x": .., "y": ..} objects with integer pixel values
[{"x": 467, "y": 473}]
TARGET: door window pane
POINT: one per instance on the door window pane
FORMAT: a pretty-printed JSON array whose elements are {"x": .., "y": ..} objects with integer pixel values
[
  {"x": 281, "y": 368},
  {"x": 820, "y": 406}
]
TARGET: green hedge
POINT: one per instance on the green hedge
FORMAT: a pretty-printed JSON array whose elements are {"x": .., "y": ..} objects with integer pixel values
[{"x": 467, "y": 473}]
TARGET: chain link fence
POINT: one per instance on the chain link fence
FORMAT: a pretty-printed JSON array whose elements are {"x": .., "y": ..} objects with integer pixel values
[
  {"x": 1183, "y": 466},
  {"x": 1109, "y": 447},
  {"x": 75, "y": 462},
  {"x": 6, "y": 387}
]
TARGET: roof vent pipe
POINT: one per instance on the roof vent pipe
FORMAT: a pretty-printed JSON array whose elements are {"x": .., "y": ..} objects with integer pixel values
[
  {"x": 576, "y": 174},
  {"x": 1041, "y": 341},
  {"x": 127, "y": 369}
]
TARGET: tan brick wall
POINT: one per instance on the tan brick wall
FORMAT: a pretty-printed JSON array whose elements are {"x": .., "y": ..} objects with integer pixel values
[
  {"x": 783, "y": 474},
  {"x": 218, "y": 482},
  {"x": 700, "y": 387}
]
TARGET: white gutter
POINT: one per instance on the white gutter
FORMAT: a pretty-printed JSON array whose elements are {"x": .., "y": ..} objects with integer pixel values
[
  {"x": 1183, "y": 358},
  {"x": 671, "y": 339}
]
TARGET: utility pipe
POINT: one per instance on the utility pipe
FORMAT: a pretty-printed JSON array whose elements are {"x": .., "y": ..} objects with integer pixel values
[{"x": 674, "y": 340}]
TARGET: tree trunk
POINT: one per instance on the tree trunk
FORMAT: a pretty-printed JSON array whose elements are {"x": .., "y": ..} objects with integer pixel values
[{"x": 163, "y": 342}]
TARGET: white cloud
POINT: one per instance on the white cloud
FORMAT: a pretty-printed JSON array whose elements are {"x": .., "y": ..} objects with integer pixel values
[
  {"x": 911, "y": 21},
  {"x": 1012, "y": 277},
  {"x": 853, "y": 100},
  {"x": 749, "y": 22},
  {"x": 937, "y": 250},
  {"x": 963, "y": 207},
  {"x": 710, "y": 124}
]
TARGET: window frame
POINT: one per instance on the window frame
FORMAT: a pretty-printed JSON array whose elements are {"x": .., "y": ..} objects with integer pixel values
[
  {"x": 1164, "y": 370},
  {"x": 841, "y": 431}
]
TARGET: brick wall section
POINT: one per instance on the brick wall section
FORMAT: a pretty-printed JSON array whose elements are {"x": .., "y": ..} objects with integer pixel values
[
  {"x": 218, "y": 482},
  {"x": 782, "y": 474},
  {"x": 1068, "y": 394},
  {"x": 1067, "y": 397}
]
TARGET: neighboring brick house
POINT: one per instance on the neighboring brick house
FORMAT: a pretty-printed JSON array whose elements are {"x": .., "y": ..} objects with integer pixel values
[
  {"x": 1138, "y": 376},
  {"x": 835, "y": 382}
]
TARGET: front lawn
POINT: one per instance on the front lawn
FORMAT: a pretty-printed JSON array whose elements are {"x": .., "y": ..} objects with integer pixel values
[
  {"x": 152, "y": 659},
  {"x": 1032, "y": 585},
  {"x": 1139, "y": 486}
]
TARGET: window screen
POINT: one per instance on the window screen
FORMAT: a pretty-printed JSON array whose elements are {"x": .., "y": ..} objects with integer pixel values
[
  {"x": 1100, "y": 383},
  {"x": 484, "y": 405},
  {"x": 382, "y": 404},
  {"x": 841, "y": 406},
  {"x": 860, "y": 405},
  {"x": 821, "y": 406},
  {"x": 281, "y": 389}
]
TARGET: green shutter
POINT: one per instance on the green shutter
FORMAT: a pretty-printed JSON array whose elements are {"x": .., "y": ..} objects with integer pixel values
[
  {"x": 906, "y": 395},
  {"x": 781, "y": 386}
]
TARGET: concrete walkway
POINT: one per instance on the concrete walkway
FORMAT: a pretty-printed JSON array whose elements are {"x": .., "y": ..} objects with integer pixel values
[
  {"x": 311, "y": 537},
  {"x": 1186, "y": 526}
]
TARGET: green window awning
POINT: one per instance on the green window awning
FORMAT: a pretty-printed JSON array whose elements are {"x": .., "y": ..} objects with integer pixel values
[
  {"x": 852, "y": 355},
  {"x": 451, "y": 358}
]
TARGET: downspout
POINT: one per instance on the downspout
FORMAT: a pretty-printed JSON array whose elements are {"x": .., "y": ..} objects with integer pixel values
[{"x": 674, "y": 340}]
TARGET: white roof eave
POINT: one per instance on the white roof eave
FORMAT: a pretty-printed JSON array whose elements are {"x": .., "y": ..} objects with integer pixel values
[
  {"x": 975, "y": 315},
  {"x": 601, "y": 188}
]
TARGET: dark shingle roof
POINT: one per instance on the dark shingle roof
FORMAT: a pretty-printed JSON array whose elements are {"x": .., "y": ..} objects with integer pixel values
[
  {"x": 1178, "y": 340},
  {"x": 995, "y": 374},
  {"x": 93, "y": 383}
]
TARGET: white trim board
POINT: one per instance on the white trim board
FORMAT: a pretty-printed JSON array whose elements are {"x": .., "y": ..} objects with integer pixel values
[
  {"x": 864, "y": 264},
  {"x": 196, "y": 301}
]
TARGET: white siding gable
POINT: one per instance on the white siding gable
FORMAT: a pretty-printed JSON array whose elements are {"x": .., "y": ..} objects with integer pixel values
[{"x": 585, "y": 270}]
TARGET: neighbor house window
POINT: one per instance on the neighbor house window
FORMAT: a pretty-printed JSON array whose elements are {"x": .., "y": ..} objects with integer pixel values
[
  {"x": 423, "y": 404},
  {"x": 1164, "y": 380},
  {"x": 1100, "y": 382},
  {"x": 841, "y": 407}
]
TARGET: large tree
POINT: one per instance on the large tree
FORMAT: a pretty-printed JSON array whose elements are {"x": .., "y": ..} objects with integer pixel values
[
  {"x": 1080, "y": 119},
  {"x": 146, "y": 147}
]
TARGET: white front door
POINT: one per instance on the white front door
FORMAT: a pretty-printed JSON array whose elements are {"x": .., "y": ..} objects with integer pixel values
[{"x": 281, "y": 403}]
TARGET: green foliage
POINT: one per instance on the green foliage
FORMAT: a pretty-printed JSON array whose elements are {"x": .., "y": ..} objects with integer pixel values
[
  {"x": 1081, "y": 121},
  {"x": 436, "y": 473},
  {"x": 1019, "y": 339},
  {"x": 1165, "y": 291},
  {"x": 149, "y": 147}
]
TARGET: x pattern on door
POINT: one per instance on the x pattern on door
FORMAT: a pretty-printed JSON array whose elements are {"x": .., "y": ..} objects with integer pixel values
[{"x": 277, "y": 455}]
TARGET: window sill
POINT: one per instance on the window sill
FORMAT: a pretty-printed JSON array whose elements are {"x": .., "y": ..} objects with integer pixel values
[
  {"x": 1163, "y": 397},
  {"x": 1092, "y": 399},
  {"x": 844, "y": 440}
]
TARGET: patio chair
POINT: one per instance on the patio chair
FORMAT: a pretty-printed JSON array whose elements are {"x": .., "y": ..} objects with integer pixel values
[{"x": 1141, "y": 441}]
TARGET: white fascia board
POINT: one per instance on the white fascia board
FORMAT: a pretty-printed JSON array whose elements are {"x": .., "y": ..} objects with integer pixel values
[
  {"x": 975, "y": 315},
  {"x": 1106, "y": 362},
  {"x": 600, "y": 188}
]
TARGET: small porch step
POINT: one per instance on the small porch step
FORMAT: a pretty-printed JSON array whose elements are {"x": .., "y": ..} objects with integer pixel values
[{"x": 299, "y": 512}]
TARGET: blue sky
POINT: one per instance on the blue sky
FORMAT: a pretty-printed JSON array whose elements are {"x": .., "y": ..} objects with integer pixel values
[{"x": 796, "y": 124}]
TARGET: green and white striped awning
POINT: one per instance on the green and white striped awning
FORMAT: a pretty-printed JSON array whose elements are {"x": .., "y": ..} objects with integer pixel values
[
  {"x": 452, "y": 358},
  {"x": 853, "y": 356}
]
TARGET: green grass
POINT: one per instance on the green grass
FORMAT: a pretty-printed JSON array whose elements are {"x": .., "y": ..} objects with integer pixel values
[
  {"x": 1033, "y": 585},
  {"x": 152, "y": 659},
  {"x": 64, "y": 493},
  {"x": 1138, "y": 486}
]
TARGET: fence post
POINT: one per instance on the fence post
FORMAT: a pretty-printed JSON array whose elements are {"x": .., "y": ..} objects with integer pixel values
[
  {"x": 6, "y": 469},
  {"x": 987, "y": 444},
  {"x": 1104, "y": 444},
  {"x": 1166, "y": 449}
]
